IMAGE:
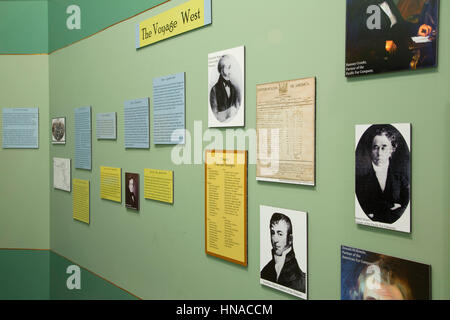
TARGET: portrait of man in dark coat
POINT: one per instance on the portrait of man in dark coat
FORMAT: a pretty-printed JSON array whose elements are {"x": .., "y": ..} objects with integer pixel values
[
  {"x": 283, "y": 269},
  {"x": 382, "y": 174}
]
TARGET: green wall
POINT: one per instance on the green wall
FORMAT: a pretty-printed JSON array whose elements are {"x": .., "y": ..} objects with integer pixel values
[
  {"x": 95, "y": 16},
  {"x": 42, "y": 275},
  {"x": 93, "y": 287},
  {"x": 158, "y": 253},
  {"x": 24, "y": 274},
  {"x": 23, "y": 26},
  {"x": 24, "y": 173}
]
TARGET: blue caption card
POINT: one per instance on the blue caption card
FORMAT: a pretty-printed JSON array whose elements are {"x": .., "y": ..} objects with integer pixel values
[
  {"x": 20, "y": 128},
  {"x": 83, "y": 150},
  {"x": 169, "y": 109}
]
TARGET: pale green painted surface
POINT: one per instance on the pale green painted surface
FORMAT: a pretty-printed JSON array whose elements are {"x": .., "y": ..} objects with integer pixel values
[
  {"x": 158, "y": 253},
  {"x": 24, "y": 174}
]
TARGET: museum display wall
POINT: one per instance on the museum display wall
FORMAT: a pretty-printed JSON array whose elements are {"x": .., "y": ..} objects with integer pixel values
[{"x": 158, "y": 252}]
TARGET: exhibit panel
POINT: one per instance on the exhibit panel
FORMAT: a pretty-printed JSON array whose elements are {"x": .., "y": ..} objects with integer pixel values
[{"x": 211, "y": 221}]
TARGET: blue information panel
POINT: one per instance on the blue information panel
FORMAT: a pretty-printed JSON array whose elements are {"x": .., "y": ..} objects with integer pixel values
[
  {"x": 136, "y": 123},
  {"x": 169, "y": 109},
  {"x": 83, "y": 149},
  {"x": 106, "y": 126},
  {"x": 20, "y": 128}
]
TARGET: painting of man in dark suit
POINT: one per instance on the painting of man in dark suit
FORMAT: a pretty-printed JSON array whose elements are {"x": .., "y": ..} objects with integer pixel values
[
  {"x": 132, "y": 191},
  {"x": 383, "y": 35}
]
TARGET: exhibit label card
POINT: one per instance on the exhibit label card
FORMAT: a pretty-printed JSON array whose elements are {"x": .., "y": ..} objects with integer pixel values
[
  {"x": 226, "y": 205},
  {"x": 368, "y": 275},
  {"x": 190, "y": 15},
  {"x": 383, "y": 175},
  {"x": 83, "y": 133},
  {"x": 81, "y": 200},
  {"x": 158, "y": 185},
  {"x": 285, "y": 124},
  {"x": 136, "y": 122},
  {"x": 20, "y": 128},
  {"x": 383, "y": 36},
  {"x": 169, "y": 109},
  {"x": 61, "y": 174},
  {"x": 284, "y": 250},
  {"x": 110, "y": 183},
  {"x": 106, "y": 126}
]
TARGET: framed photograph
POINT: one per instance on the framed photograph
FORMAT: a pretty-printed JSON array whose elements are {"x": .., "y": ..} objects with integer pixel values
[
  {"x": 226, "y": 92},
  {"x": 390, "y": 35},
  {"x": 368, "y": 275},
  {"x": 59, "y": 130},
  {"x": 382, "y": 176},
  {"x": 283, "y": 250},
  {"x": 132, "y": 190}
]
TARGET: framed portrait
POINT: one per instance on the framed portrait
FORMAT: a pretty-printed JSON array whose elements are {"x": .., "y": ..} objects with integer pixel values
[
  {"x": 132, "y": 190},
  {"x": 59, "y": 130},
  {"x": 368, "y": 275},
  {"x": 226, "y": 88},
  {"x": 390, "y": 35},
  {"x": 383, "y": 175},
  {"x": 283, "y": 250}
]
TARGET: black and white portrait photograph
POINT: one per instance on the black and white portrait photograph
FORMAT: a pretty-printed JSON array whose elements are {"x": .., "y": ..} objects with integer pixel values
[
  {"x": 283, "y": 250},
  {"x": 382, "y": 176},
  {"x": 59, "y": 130},
  {"x": 132, "y": 190},
  {"x": 226, "y": 90}
]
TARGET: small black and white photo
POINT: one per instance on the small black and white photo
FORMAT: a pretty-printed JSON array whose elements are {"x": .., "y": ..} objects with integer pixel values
[
  {"x": 132, "y": 190},
  {"x": 283, "y": 250},
  {"x": 382, "y": 176},
  {"x": 59, "y": 130},
  {"x": 226, "y": 92}
]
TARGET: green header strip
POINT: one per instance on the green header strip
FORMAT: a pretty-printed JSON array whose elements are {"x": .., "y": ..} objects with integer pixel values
[{"x": 39, "y": 26}]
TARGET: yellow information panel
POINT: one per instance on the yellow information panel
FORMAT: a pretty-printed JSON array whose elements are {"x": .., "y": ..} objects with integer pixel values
[
  {"x": 110, "y": 184},
  {"x": 226, "y": 205},
  {"x": 190, "y": 15},
  {"x": 158, "y": 185},
  {"x": 81, "y": 200}
]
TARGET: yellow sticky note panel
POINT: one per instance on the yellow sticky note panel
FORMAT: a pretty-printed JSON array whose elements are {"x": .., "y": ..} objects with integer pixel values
[
  {"x": 81, "y": 200},
  {"x": 190, "y": 15},
  {"x": 226, "y": 205},
  {"x": 158, "y": 185},
  {"x": 110, "y": 184}
]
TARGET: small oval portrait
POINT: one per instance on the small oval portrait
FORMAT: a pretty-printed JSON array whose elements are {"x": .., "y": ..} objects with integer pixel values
[
  {"x": 382, "y": 163},
  {"x": 58, "y": 130}
]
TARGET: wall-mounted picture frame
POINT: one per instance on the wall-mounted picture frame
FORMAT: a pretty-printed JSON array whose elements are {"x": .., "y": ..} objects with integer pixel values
[{"x": 59, "y": 130}]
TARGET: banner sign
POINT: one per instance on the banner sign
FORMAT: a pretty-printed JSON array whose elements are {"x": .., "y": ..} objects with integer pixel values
[{"x": 186, "y": 17}]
